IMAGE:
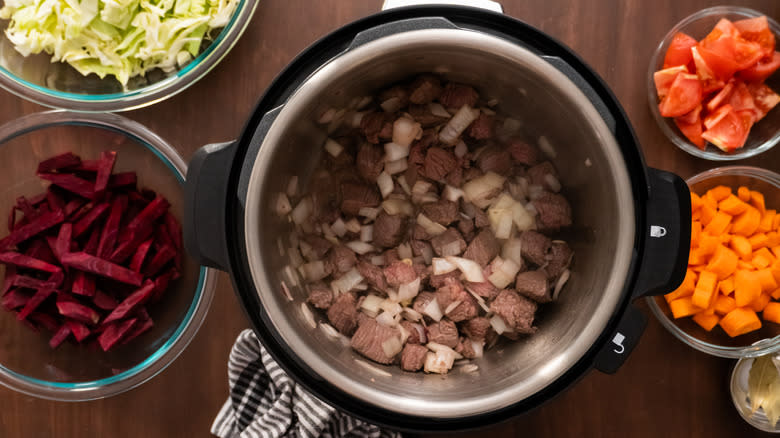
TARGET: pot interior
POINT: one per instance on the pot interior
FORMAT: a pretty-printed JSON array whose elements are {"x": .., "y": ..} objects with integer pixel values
[{"x": 591, "y": 170}]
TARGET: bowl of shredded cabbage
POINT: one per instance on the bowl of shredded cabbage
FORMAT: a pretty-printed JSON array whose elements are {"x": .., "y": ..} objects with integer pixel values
[{"x": 113, "y": 55}]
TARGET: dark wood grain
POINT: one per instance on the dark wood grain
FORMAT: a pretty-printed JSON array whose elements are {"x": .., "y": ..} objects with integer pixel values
[{"x": 665, "y": 388}]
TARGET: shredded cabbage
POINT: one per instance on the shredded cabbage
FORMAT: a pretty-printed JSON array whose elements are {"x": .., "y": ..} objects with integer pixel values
[{"x": 123, "y": 38}]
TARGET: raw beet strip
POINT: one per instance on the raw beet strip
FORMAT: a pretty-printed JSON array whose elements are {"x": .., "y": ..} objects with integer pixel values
[
  {"x": 149, "y": 214},
  {"x": 23, "y": 261},
  {"x": 120, "y": 180},
  {"x": 71, "y": 183},
  {"x": 40, "y": 250},
  {"x": 32, "y": 228},
  {"x": 98, "y": 266},
  {"x": 54, "y": 200},
  {"x": 28, "y": 282},
  {"x": 64, "y": 238},
  {"x": 114, "y": 333},
  {"x": 174, "y": 229},
  {"x": 35, "y": 301},
  {"x": 77, "y": 311},
  {"x": 111, "y": 228},
  {"x": 89, "y": 219},
  {"x": 104, "y": 301},
  {"x": 144, "y": 323},
  {"x": 105, "y": 167},
  {"x": 79, "y": 330},
  {"x": 130, "y": 243},
  {"x": 14, "y": 299},
  {"x": 163, "y": 256},
  {"x": 140, "y": 255},
  {"x": 73, "y": 206},
  {"x": 57, "y": 162},
  {"x": 92, "y": 243},
  {"x": 45, "y": 320},
  {"x": 8, "y": 281},
  {"x": 60, "y": 336},
  {"x": 37, "y": 199},
  {"x": 162, "y": 281},
  {"x": 26, "y": 208},
  {"x": 130, "y": 303},
  {"x": 87, "y": 166},
  {"x": 83, "y": 284}
]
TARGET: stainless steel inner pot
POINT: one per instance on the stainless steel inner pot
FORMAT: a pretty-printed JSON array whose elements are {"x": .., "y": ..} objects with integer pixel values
[{"x": 592, "y": 171}]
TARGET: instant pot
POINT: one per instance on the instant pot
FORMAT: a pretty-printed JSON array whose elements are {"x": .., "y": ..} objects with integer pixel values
[{"x": 631, "y": 232}]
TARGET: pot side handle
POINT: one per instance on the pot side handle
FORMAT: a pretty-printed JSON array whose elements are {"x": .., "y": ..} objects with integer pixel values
[{"x": 205, "y": 203}]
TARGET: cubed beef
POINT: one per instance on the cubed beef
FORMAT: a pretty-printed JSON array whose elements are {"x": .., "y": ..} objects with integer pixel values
[
  {"x": 484, "y": 289},
  {"x": 558, "y": 259},
  {"x": 471, "y": 173},
  {"x": 554, "y": 212},
  {"x": 437, "y": 281},
  {"x": 399, "y": 273},
  {"x": 425, "y": 89},
  {"x": 444, "y": 212},
  {"x": 430, "y": 137},
  {"x": 483, "y": 248},
  {"x": 423, "y": 271},
  {"x": 419, "y": 233},
  {"x": 465, "y": 348},
  {"x": 370, "y": 161},
  {"x": 422, "y": 300},
  {"x": 319, "y": 247},
  {"x": 438, "y": 163},
  {"x": 370, "y": 336},
  {"x": 413, "y": 357},
  {"x": 522, "y": 152},
  {"x": 341, "y": 259},
  {"x": 448, "y": 243},
  {"x": 373, "y": 274},
  {"x": 480, "y": 217},
  {"x": 456, "y": 95},
  {"x": 443, "y": 332},
  {"x": 391, "y": 256},
  {"x": 465, "y": 226},
  {"x": 533, "y": 284},
  {"x": 320, "y": 295},
  {"x": 342, "y": 314},
  {"x": 376, "y": 126},
  {"x": 422, "y": 114},
  {"x": 397, "y": 91},
  {"x": 389, "y": 229},
  {"x": 420, "y": 247},
  {"x": 495, "y": 159},
  {"x": 534, "y": 247},
  {"x": 476, "y": 328},
  {"x": 453, "y": 292},
  {"x": 455, "y": 178},
  {"x": 355, "y": 196},
  {"x": 516, "y": 311},
  {"x": 537, "y": 175},
  {"x": 412, "y": 329},
  {"x": 482, "y": 128}
]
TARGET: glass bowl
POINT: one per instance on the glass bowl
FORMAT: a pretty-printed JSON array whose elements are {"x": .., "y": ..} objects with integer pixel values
[
  {"x": 738, "y": 387},
  {"x": 58, "y": 85},
  {"x": 74, "y": 372},
  {"x": 766, "y": 340},
  {"x": 763, "y": 135}
]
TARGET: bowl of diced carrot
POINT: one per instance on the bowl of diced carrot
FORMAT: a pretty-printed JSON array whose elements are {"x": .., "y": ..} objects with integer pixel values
[{"x": 728, "y": 305}]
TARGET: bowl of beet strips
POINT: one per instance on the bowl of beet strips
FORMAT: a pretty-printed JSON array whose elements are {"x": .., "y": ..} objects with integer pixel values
[{"x": 98, "y": 295}]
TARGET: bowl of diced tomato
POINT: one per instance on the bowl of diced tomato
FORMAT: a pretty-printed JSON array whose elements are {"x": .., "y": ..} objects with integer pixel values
[
  {"x": 729, "y": 302},
  {"x": 712, "y": 84}
]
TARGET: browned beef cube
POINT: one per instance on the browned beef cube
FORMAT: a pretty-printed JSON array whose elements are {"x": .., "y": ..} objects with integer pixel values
[
  {"x": 422, "y": 114},
  {"x": 516, "y": 311},
  {"x": 483, "y": 248},
  {"x": 537, "y": 175},
  {"x": 376, "y": 126},
  {"x": 465, "y": 348},
  {"x": 554, "y": 212},
  {"x": 391, "y": 256},
  {"x": 396, "y": 91},
  {"x": 425, "y": 89},
  {"x": 414, "y": 334},
  {"x": 368, "y": 340},
  {"x": 419, "y": 247},
  {"x": 370, "y": 161},
  {"x": 442, "y": 211},
  {"x": 389, "y": 229},
  {"x": 423, "y": 271},
  {"x": 455, "y": 178},
  {"x": 320, "y": 295},
  {"x": 448, "y": 243},
  {"x": 465, "y": 226},
  {"x": 534, "y": 247},
  {"x": 355, "y": 196},
  {"x": 419, "y": 233},
  {"x": 523, "y": 152},
  {"x": 476, "y": 328},
  {"x": 533, "y": 284},
  {"x": 413, "y": 357},
  {"x": 319, "y": 247},
  {"x": 373, "y": 274},
  {"x": 453, "y": 292},
  {"x": 495, "y": 159},
  {"x": 485, "y": 289},
  {"x": 399, "y": 273},
  {"x": 480, "y": 217},
  {"x": 342, "y": 314},
  {"x": 362, "y": 317},
  {"x": 438, "y": 163},
  {"x": 341, "y": 259},
  {"x": 482, "y": 128},
  {"x": 559, "y": 258},
  {"x": 443, "y": 332},
  {"x": 456, "y": 95},
  {"x": 441, "y": 280},
  {"x": 422, "y": 300}
]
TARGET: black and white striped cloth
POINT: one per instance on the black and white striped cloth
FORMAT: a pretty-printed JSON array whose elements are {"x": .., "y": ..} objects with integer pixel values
[{"x": 266, "y": 403}]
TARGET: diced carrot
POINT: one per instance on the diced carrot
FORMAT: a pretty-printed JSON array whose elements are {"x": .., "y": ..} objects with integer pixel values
[
  {"x": 709, "y": 200},
  {"x": 725, "y": 238},
  {"x": 724, "y": 304},
  {"x": 776, "y": 222},
  {"x": 723, "y": 262},
  {"x": 732, "y": 205},
  {"x": 696, "y": 258},
  {"x": 746, "y": 223},
  {"x": 757, "y": 200},
  {"x": 708, "y": 243},
  {"x": 775, "y": 268},
  {"x": 740, "y": 321},
  {"x": 707, "y": 213},
  {"x": 759, "y": 303},
  {"x": 776, "y": 294},
  {"x": 720, "y": 192},
  {"x": 741, "y": 245},
  {"x": 718, "y": 224},
  {"x": 743, "y": 193},
  {"x": 772, "y": 313},
  {"x": 707, "y": 322},
  {"x": 762, "y": 258},
  {"x": 686, "y": 287},
  {"x": 698, "y": 268},
  {"x": 696, "y": 215},
  {"x": 695, "y": 232},
  {"x": 758, "y": 240},
  {"x": 776, "y": 251},
  {"x": 767, "y": 280},
  {"x": 705, "y": 289},
  {"x": 748, "y": 266},
  {"x": 683, "y": 307},
  {"x": 767, "y": 219},
  {"x": 746, "y": 287},
  {"x": 772, "y": 239},
  {"x": 696, "y": 201},
  {"x": 726, "y": 286}
]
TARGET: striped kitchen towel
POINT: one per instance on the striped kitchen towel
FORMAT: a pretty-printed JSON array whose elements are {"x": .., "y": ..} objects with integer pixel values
[{"x": 266, "y": 403}]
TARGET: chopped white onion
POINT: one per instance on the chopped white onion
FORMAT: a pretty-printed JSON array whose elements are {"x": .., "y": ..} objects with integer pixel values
[
  {"x": 424, "y": 199},
  {"x": 386, "y": 319},
  {"x": 546, "y": 147},
  {"x": 385, "y": 183},
  {"x": 438, "y": 362},
  {"x": 363, "y": 102},
  {"x": 346, "y": 282},
  {"x": 438, "y": 110},
  {"x": 392, "y": 346},
  {"x": 504, "y": 272},
  {"x": 535, "y": 191},
  {"x": 442, "y": 266},
  {"x": 421, "y": 187},
  {"x": 478, "y": 349},
  {"x": 461, "y": 149},
  {"x": 391, "y": 307},
  {"x": 552, "y": 182},
  {"x": 333, "y": 147},
  {"x": 295, "y": 257},
  {"x": 469, "y": 368},
  {"x": 352, "y": 225},
  {"x": 529, "y": 207},
  {"x": 395, "y": 151},
  {"x": 433, "y": 310},
  {"x": 404, "y": 334},
  {"x": 308, "y": 316},
  {"x": 404, "y": 185},
  {"x": 492, "y": 102},
  {"x": 560, "y": 283},
  {"x": 427, "y": 254},
  {"x": 412, "y": 315},
  {"x": 397, "y": 166},
  {"x": 326, "y": 116},
  {"x": 452, "y": 306},
  {"x": 356, "y": 118},
  {"x": 338, "y": 119},
  {"x": 362, "y": 286},
  {"x": 407, "y": 291},
  {"x": 441, "y": 348},
  {"x": 481, "y": 190},
  {"x": 513, "y": 250},
  {"x": 501, "y": 222},
  {"x": 391, "y": 105},
  {"x": 405, "y": 251},
  {"x": 430, "y": 227},
  {"x": 314, "y": 271},
  {"x": 480, "y": 300},
  {"x": 360, "y": 247},
  {"x": 397, "y": 206},
  {"x": 509, "y": 128},
  {"x": 522, "y": 218},
  {"x": 302, "y": 211},
  {"x": 470, "y": 269},
  {"x": 451, "y": 248},
  {"x": 392, "y": 295},
  {"x": 498, "y": 324},
  {"x": 370, "y": 304},
  {"x": 457, "y": 124},
  {"x": 368, "y": 212},
  {"x": 282, "y": 206},
  {"x": 378, "y": 260},
  {"x": 339, "y": 228},
  {"x": 367, "y": 233},
  {"x": 405, "y": 131},
  {"x": 286, "y": 291},
  {"x": 451, "y": 193}
]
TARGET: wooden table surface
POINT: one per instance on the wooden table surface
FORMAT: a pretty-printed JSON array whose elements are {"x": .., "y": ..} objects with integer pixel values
[{"x": 665, "y": 388}]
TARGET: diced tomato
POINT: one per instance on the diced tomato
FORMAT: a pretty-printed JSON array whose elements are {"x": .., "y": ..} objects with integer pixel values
[
  {"x": 747, "y": 54},
  {"x": 761, "y": 70},
  {"x": 691, "y": 117},
  {"x": 730, "y": 131},
  {"x": 664, "y": 78},
  {"x": 684, "y": 95},
  {"x": 741, "y": 100},
  {"x": 757, "y": 30},
  {"x": 707, "y": 77},
  {"x": 764, "y": 98},
  {"x": 679, "y": 51},
  {"x": 721, "y": 97},
  {"x": 691, "y": 127},
  {"x": 716, "y": 116},
  {"x": 720, "y": 56}
]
